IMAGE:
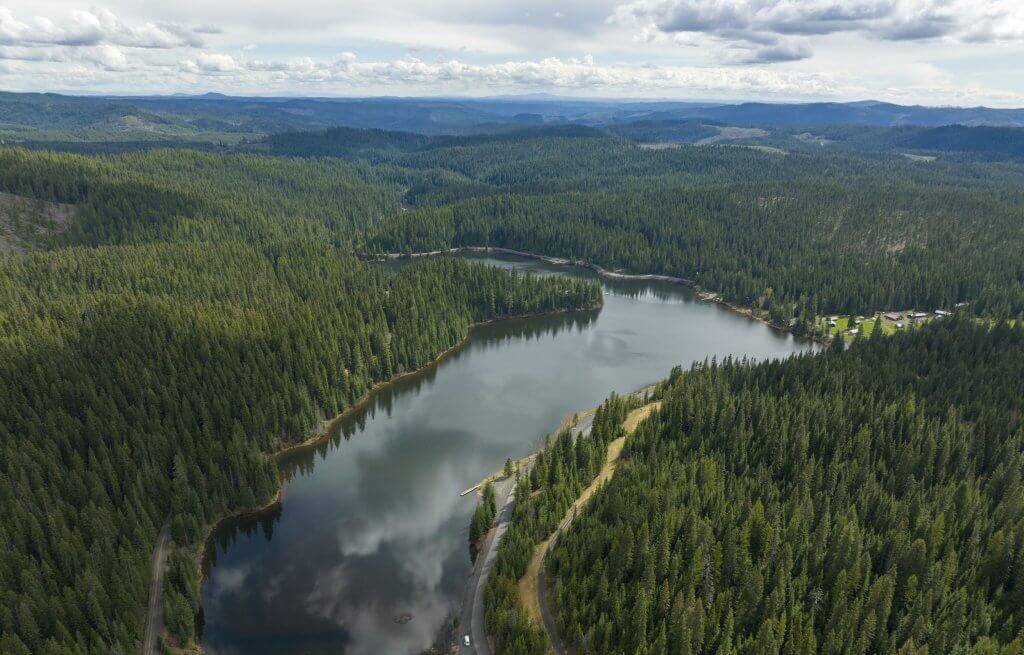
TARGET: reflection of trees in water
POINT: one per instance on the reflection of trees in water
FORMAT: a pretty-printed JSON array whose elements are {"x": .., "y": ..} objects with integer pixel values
[
  {"x": 302, "y": 461},
  {"x": 657, "y": 289},
  {"x": 494, "y": 335},
  {"x": 662, "y": 291},
  {"x": 228, "y": 532}
]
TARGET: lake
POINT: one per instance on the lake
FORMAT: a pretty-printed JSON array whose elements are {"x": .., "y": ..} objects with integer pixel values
[{"x": 367, "y": 554}]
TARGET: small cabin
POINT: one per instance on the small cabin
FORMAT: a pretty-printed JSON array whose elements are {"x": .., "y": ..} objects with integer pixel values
[
  {"x": 942, "y": 312},
  {"x": 893, "y": 316}
]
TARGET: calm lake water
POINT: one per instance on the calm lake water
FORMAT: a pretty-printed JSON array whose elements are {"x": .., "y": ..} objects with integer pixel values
[{"x": 368, "y": 555}]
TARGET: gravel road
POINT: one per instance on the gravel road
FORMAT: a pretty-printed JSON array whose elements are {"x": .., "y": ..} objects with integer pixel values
[{"x": 155, "y": 609}]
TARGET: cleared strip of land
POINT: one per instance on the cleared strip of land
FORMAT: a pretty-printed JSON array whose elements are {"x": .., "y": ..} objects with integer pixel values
[
  {"x": 531, "y": 586},
  {"x": 155, "y": 608}
]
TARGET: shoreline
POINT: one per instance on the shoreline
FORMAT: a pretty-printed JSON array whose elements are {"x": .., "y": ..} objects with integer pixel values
[
  {"x": 322, "y": 433},
  {"x": 571, "y": 421},
  {"x": 706, "y": 296},
  {"x": 548, "y": 259}
]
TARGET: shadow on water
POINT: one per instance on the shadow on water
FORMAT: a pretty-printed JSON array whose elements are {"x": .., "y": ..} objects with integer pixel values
[
  {"x": 370, "y": 556},
  {"x": 302, "y": 461}
]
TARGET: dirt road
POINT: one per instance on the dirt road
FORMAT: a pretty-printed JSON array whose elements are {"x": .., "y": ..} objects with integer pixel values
[
  {"x": 155, "y": 609},
  {"x": 537, "y": 565}
]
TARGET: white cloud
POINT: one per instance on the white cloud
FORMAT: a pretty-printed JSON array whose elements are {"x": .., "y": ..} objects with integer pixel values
[
  {"x": 780, "y": 30},
  {"x": 696, "y": 49},
  {"x": 211, "y": 63},
  {"x": 552, "y": 73},
  {"x": 109, "y": 57},
  {"x": 21, "y": 53},
  {"x": 771, "y": 53},
  {"x": 347, "y": 74},
  {"x": 91, "y": 28}
]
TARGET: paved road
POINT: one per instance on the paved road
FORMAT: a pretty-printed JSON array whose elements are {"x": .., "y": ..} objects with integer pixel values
[
  {"x": 155, "y": 610},
  {"x": 473, "y": 600},
  {"x": 583, "y": 425},
  {"x": 472, "y": 605}
]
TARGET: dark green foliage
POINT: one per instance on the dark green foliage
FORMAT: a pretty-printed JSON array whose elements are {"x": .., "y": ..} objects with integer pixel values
[
  {"x": 206, "y": 309},
  {"x": 867, "y": 501},
  {"x": 341, "y": 142},
  {"x": 181, "y": 595},
  {"x": 348, "y": 143},
  {"x": 795, "y": 234},
  {"x": 150, "y": 379},
  {"x": 558, "y": 475},
  {"x": 483, "y": 517},
  {"x": 990, "y": 143},
  {"x": 176, "y": 195},
  {"x": 682, "y": 131}
]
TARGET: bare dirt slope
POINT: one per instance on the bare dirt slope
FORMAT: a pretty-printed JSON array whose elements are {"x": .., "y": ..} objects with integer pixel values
[{"x": 26, "y": 222}]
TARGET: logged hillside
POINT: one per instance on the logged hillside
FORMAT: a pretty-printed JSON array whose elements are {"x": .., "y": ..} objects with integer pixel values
[
  {"x": 147, "y": 377},
  {"x": 861, "y": 502},
  {"x": 26, "y": 223}
]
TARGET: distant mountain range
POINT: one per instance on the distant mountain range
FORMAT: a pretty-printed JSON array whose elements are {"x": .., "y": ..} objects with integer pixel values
[
  {"x": 852, "y": 113},
  {"x": 216, "y": 115},
  {"x": 215, "y": 120}
]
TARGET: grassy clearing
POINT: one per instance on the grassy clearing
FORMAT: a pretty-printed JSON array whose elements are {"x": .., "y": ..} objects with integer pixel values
[
  {"x": 846, "y": 323},
  {"x": 28, "y": 222},
  {"x": 843, "y": 324},
  {"x": 866, "y": 325},
  {"x": 528, "y": 585}
]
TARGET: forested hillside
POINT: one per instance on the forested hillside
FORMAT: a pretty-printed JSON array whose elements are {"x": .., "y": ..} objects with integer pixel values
[
  {"x": 202, "y": 312},
  {"x": 994, "y": 143},
  {"x": 214, "y": 117},
  {"x": 174, "y": 195},
  {"x": 868, "y": 501},
  {"x": 559, "y": 472},
  {"x": 797, "y": 234},
  {"x": 192, "y": 311}
]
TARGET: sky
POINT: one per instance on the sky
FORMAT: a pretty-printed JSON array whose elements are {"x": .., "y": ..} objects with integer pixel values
[{"x": 933, "y": 52}]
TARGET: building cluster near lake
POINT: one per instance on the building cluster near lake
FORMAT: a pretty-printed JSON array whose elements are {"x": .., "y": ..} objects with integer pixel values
[{"x": 889, "y": 321}]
